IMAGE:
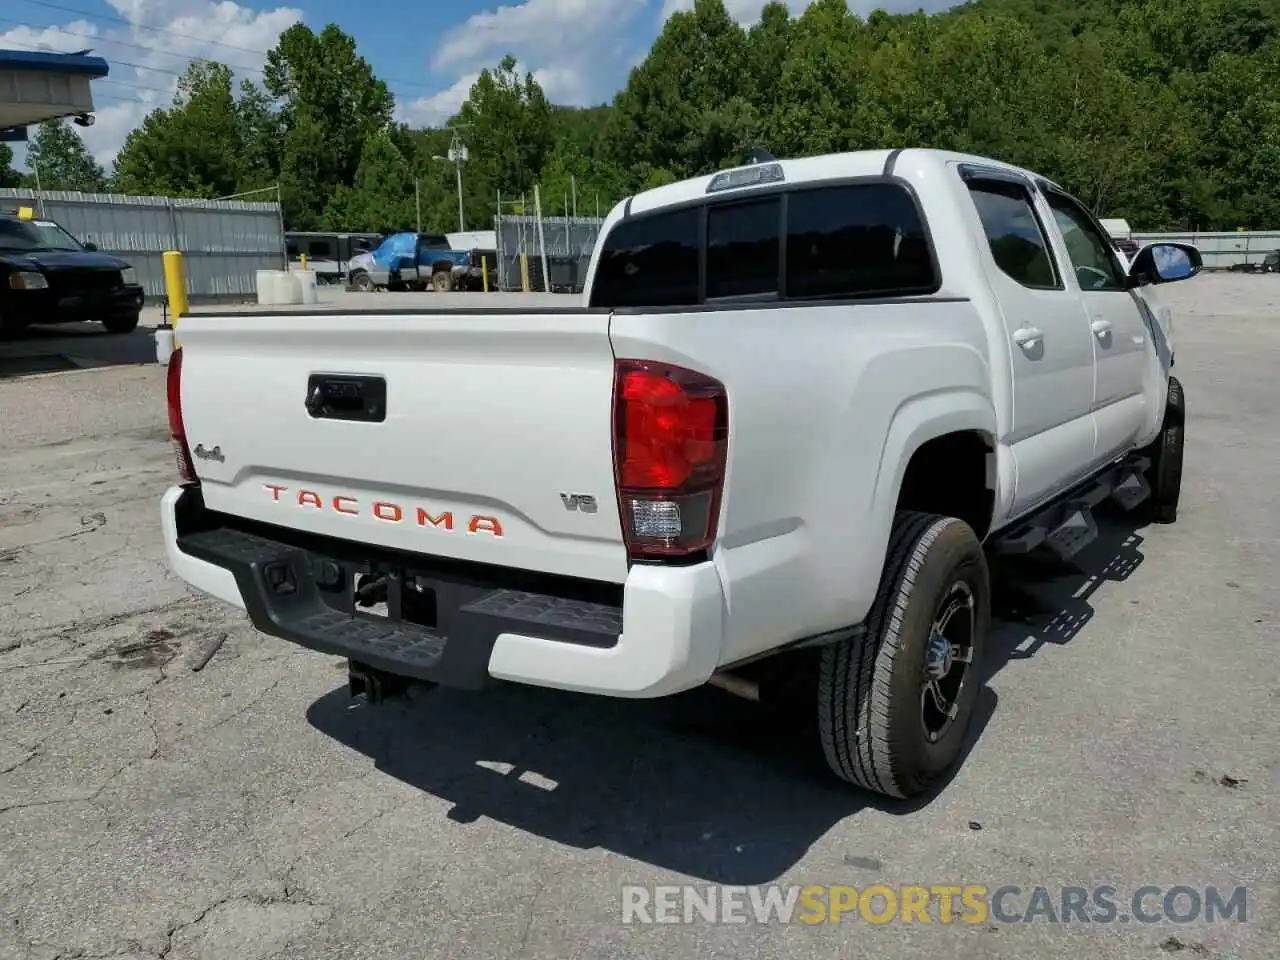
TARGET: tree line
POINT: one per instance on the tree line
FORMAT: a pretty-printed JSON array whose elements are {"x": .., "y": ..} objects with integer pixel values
[{"x": 1164, "y": 112}]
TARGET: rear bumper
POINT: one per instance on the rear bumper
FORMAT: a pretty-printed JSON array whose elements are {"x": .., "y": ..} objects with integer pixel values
[{"x": 658, "y": 634}]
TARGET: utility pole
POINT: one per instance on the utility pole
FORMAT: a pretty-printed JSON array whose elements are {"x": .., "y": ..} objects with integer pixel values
[
  {"x": 417, "y": 202},
  {"x": 457, "y": 156},
  {"x": 542, "y": 240},
  {"x": 35, "y": 168}
]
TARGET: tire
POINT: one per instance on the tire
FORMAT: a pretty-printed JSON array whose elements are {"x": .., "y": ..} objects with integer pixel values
[
  {"x": 125, "y": 324},
  {"x": 442, "y": 281},
  {"x": 362, "y": 282},
  {"x": 879, "y": 722},
  {"x": 1165, "y": 473}
]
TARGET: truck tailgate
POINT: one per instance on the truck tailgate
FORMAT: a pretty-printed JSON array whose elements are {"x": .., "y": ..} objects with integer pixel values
[{"x": 493, "y": 438}]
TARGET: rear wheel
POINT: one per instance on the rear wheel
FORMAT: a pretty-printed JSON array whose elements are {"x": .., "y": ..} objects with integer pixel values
[
  {"x": 125, "y": 324},
  {"x": 1165, "y": 473},
  {"x": 442, "y": 281},
  {"x": 895, "y": 705}
]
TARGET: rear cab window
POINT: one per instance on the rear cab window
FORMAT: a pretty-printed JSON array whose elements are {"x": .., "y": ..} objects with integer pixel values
[
  {"x": 742, "y": 248},
  {"x": 850, "y": 240}
]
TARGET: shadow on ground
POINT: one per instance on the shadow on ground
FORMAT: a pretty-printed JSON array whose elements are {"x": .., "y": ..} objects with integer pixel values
[
  {"x": 703, "y": 784},
  {"x": 72, "y": 346}
]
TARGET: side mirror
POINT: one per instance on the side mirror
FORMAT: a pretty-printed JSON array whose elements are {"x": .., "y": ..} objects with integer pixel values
[
  {"x": 90, "y": 246},
  {"x": 1164, "y": 263}
]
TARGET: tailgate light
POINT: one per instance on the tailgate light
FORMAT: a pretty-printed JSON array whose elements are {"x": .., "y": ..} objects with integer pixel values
[
  {"x": 671, "y": 436},
  {"x": 181, "y": 451}
]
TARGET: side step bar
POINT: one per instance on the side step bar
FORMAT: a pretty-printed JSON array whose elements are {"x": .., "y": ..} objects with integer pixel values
[{"x": 1067, "y": 526}]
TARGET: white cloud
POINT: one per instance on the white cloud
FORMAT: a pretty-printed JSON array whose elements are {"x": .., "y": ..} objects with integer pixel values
[
  {"x": 145, "y": 62},
  {"x": 434, "y": 110},
  {"x": 541, "y": 29},
  {"x": 561, "y": 83},
  {"x": 571, "y": 46}
]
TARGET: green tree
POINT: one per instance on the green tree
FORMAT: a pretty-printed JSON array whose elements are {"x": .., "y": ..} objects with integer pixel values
[
  {"x": 8, "y": 176},
  {"x": 329, "y": 105},
  {"x": 380, "y": 197},
  {"x": 194, "y": 148},
  {"x": 1161, "y": 111},
  {"x": 506, "y": 126},
  {"x": 62, "y": 160},
  {"x": 821, "y": 82},
  {"x": 689, "y": 106}
]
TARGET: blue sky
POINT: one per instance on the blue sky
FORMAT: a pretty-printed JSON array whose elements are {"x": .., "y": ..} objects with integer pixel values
[{"x": 428, "y": 52}]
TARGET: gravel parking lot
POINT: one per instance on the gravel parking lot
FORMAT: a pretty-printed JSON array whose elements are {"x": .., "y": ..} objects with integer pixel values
[{"x": 1128, "y": 736}]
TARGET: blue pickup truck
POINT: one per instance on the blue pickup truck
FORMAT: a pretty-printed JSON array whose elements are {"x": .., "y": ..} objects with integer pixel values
[{"x": 413, "y": 261}]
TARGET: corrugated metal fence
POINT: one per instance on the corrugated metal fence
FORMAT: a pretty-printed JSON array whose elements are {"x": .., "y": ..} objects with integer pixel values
[
  {"x": 569, "y": 240},
  {"x": 224, "y": 242},
  {"x": 1222, "y": 251}
]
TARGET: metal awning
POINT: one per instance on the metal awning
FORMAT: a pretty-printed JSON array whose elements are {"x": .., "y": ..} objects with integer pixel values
[{"x": 38, "y": 86}]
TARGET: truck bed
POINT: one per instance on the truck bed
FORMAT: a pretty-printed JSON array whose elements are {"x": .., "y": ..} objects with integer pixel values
[{"x": 336, "y": 300}]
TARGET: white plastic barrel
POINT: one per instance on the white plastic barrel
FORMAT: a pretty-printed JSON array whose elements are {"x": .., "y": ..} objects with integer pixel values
[
  {"x": 265, "y": 282},
  {"x": 288, "y": 288},
  {"x": 307, "y": 283}
]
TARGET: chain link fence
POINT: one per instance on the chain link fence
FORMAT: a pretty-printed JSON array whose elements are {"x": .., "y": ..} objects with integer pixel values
[{"x": 569, "y": 242}]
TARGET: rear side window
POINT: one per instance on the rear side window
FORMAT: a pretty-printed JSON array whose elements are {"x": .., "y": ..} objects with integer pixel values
[
  {"x": 742, "y": 248},
  {"x": 856, "y": 240},
  {"x": 650, "y": 261},
  {"x": 1014, "y": 232}
]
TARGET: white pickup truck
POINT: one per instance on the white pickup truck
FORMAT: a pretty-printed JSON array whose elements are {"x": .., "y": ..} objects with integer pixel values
[{"x": 800, "y": 402}]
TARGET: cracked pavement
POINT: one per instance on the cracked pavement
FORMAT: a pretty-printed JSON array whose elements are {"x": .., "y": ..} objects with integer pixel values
[{"x": 1127, "y": 736}]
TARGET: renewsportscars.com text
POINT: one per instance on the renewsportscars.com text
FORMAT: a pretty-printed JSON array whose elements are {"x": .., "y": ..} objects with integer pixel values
[{"x": 935, "y": 904}]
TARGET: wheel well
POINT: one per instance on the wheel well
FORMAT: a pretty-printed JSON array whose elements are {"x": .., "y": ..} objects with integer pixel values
[{"x": 948, "y": 475}]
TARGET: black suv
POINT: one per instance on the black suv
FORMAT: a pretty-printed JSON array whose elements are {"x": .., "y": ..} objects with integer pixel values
[{"x": 47, "y": 276}]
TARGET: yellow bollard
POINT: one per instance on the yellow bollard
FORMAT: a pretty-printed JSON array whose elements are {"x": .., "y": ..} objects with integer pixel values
[
  {"x": 524, "y": 272},
  {"x": 175, "y": 284},
  {"x": 303, "y": 259},
  {"x": 484, "y": 272}
]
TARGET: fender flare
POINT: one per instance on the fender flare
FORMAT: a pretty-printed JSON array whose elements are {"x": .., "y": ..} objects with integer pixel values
[{"x": 915, "y": 422}]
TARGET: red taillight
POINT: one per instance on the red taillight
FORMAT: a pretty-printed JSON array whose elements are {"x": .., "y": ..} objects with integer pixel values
[
  {"x": 181, "y": 452},
  {"x": 671, "y": 437}
]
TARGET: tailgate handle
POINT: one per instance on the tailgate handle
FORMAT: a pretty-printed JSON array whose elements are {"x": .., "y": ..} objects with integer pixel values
[{"x": 335, "y": 397}]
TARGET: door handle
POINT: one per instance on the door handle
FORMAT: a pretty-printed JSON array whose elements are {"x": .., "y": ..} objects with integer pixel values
[
  {"x": 1028, "y": 336},
  {"x": 1101, "y": 327}
]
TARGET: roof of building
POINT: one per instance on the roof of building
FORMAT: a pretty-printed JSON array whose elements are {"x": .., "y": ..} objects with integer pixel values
[{"x": 53, "y": 62}]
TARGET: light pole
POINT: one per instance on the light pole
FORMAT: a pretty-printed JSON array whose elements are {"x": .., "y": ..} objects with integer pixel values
[{"x": 457, "y": 156}]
